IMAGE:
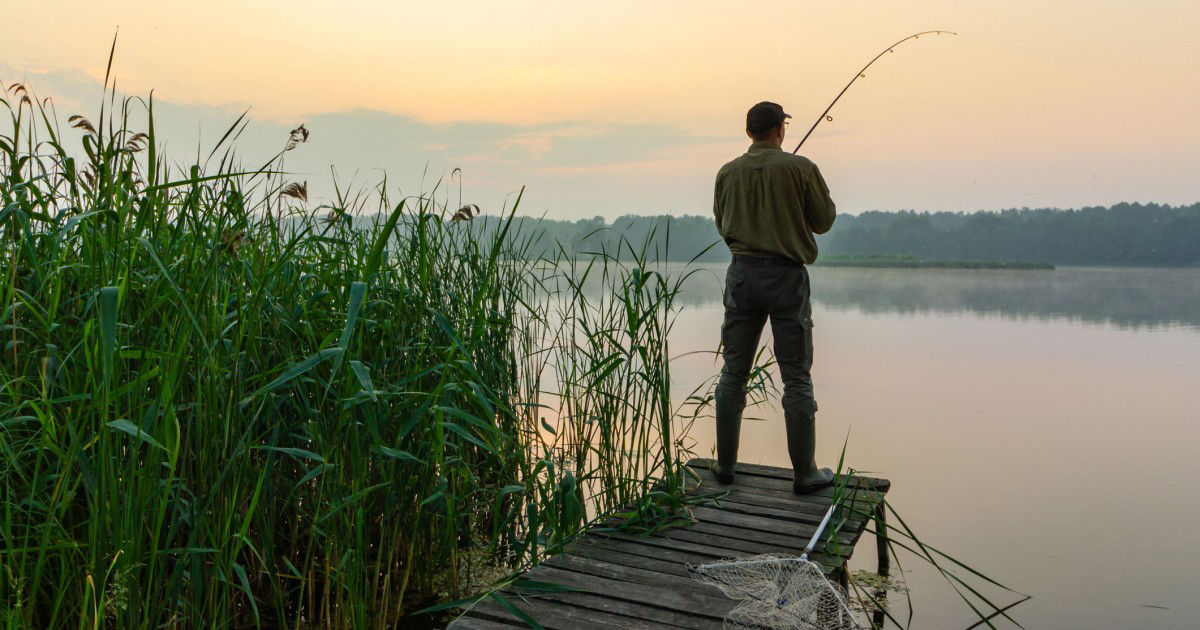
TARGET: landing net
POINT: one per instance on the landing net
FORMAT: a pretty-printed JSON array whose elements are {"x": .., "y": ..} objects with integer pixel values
[{"x": 778, "y": 592}]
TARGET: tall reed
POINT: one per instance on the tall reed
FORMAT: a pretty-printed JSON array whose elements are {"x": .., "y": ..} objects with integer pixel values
[{"x": 222, "y": 407}]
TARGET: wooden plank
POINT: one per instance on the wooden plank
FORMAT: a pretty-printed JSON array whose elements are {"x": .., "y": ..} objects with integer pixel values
[
  {"x": 554, "y": 614},
  {"x": 681, "y": 552},
  {"x": 733, "y": 506},
  {"x": 717, "y": 604},
  {"x": 777, "y": 505},
  {"x": 693, "y": 602},
  {"x": 653, "y": 562},
  {"x": 702, "y": 552},
  {"x": 756, "y": 517},
  {"x": 861, "y": 500},
  {"x": 725, "y": 547},
  {"x": 650, "y": 578},
  {"x": 745, "y": 469},
  {"x": 470, "y": 622},
  {"x": 718, "y": 537},
  {"x": 617, "y": 571},
  {"x": 784, "y": 534},
  {"x": 551, "y": 615},
  {"x": 638, "y": 612},
  {"x": 704, "y": 542},
  {"x": 785, "y": 542},
  {"x": 827, "y": 548},
  {"x": 787, "y": 505},
  {"x": 857, "y": 515},
  {"x": 785, "y": 481},
  {"x": 668, "y": 558},
  {"x": 824, "y": 495},
  {"x": 762, "y": 528},
  {"x": 775, "y": 472},
  {"x": 698, "y": 552},
  {"x": 619, "y": 550}
]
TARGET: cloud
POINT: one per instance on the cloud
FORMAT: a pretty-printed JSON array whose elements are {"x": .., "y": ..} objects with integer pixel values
[{"x": 571, "y": 167}]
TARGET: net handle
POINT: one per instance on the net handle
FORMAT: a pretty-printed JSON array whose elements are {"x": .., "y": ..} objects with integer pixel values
[{"x": 812, "y": 543}]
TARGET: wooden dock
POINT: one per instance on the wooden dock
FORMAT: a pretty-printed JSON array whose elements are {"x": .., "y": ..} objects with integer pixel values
[{"x": 629, "y": 581}]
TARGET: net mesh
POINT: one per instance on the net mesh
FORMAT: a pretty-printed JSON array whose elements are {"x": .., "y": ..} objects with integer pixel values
[{"x": 778, "y": 592}]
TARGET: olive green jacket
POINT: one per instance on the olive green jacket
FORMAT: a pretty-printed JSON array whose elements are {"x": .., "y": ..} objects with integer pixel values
[{"x": 770, "y": 203}]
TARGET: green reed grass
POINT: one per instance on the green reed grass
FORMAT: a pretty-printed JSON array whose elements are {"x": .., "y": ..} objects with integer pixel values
[{"x": 220, "y": 407}]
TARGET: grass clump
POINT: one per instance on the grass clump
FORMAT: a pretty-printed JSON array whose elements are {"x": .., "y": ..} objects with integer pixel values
[{"x": 220, "y": 407}]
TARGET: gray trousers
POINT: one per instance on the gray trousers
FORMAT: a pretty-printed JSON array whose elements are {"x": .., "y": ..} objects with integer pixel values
[{"x": 752, "y": 294}]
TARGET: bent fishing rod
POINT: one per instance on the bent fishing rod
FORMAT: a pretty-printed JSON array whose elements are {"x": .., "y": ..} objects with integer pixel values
[{"x": 862, "y": 74}]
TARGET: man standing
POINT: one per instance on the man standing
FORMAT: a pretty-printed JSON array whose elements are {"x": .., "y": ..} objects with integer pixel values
[{"x": 768, "y": 204}]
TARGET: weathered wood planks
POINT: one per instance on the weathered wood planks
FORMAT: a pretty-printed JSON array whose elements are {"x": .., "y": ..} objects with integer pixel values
[{"x": 628, "y": 581}]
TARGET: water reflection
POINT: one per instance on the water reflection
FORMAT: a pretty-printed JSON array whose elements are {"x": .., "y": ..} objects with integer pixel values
[
  {"x": 1018, "y": 433},
  {"x": 1123, "y": 297}
]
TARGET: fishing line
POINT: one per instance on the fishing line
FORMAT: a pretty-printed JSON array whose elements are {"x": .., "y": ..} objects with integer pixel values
[{"x": 862, "y": 74}]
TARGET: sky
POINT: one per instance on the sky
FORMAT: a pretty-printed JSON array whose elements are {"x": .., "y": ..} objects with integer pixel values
[{"x": 611, "y": 108}]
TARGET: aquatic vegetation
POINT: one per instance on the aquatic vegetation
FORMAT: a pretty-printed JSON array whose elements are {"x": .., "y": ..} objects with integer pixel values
[{"x": 223, "y": 407}]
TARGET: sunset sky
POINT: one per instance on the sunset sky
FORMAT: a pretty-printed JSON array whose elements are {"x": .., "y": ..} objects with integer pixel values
[{"x": 610, "y": 108}]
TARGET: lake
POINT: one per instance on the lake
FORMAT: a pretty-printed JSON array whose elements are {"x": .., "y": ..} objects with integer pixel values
[{"x": 1042, "y": 426}]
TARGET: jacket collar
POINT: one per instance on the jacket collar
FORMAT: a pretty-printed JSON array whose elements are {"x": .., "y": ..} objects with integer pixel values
[{"x": 764, "y": 145}]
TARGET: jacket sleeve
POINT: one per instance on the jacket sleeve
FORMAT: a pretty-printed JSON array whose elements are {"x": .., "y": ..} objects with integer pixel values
[
  {"x": 819, "y": 209},
  {"x": 717, "y": 203}
]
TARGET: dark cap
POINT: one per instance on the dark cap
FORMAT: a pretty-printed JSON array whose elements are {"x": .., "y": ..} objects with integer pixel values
[{"x": 764, "y": 117}]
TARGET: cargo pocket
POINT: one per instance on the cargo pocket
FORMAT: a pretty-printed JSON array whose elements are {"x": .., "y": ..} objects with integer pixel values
[
  {"x": 735, "y": 278},
  {"x": 806, "y": 325}
]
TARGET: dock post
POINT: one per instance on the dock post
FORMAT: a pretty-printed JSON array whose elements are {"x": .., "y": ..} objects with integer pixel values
[
  {"x": 881, "y": 540},
  {"x": 885, "y": 561}
]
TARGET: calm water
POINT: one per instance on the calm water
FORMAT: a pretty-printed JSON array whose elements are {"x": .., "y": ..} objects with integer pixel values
[{"x": 1042, "y": 426}]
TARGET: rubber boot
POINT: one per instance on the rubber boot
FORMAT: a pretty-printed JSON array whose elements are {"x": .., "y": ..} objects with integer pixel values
[
  {"x": 728, "y": 434},
  {"x": 729, "y": 429},
  {"x": 802, "y": 446}
]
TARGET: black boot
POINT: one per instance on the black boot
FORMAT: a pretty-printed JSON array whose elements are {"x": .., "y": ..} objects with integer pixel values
[
  {"x": 728, "y": 434},
  {"x": 802, "y": 445},
  {"x": 729, "y": 428}
]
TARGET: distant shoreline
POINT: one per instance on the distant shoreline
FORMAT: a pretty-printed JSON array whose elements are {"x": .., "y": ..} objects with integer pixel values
[{"x": 905, "y": 262}]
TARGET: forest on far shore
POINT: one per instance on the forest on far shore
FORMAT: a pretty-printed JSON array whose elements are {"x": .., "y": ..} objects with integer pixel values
[{"x": 1123, "y": 234}]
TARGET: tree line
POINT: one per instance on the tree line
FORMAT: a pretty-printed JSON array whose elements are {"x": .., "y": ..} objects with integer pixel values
[{"x": 1123, "y": 234}]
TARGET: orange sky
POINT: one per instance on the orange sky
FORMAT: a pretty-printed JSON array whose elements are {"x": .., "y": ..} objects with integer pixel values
[{"x": 1035, "y": 103}]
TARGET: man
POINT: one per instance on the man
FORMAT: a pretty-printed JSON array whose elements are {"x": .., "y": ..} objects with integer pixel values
[{"x": 768, "y": 204}]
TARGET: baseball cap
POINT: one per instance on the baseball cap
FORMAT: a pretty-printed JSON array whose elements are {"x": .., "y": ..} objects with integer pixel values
[{"x": 765, "y": 116}]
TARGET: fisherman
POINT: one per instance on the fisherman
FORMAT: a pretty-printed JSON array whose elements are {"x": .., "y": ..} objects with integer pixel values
[{"x": 768, "y": 204}]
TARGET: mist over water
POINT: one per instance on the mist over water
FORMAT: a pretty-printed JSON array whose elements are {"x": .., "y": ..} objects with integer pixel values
[
  {"x": 1133, "y": 297},
  {"x": 1039, "y": 425}
]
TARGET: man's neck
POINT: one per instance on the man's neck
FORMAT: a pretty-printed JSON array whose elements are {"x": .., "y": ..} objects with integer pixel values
[{"x": 766, "y": 144}]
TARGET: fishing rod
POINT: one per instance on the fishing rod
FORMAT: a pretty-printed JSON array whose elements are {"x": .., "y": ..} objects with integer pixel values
[{"x": 861, "y": 74}]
